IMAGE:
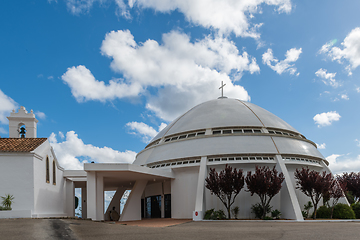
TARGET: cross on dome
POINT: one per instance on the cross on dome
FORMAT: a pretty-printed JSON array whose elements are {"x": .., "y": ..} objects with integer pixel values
[{"x": 222, "y": 88}]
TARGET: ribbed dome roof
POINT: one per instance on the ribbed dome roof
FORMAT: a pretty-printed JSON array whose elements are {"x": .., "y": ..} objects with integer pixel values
[{"x": 224, "y": 112}]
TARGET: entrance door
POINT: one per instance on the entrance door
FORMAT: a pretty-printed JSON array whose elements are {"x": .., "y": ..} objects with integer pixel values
[
  {"x": 167, "y": 205},
  {"x": 153, "y": 207}
]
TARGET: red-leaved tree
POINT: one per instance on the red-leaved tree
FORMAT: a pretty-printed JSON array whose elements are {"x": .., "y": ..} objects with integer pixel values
[
  {"x": 226, "y": 185},
  {"x": 266, "y": 183},
  {"x": 336, "y": 192},
  {"x": 314, "y": 184},
  {"x": 351, "y": 185}
]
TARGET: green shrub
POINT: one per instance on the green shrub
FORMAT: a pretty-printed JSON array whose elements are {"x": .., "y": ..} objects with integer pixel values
[
  {"x": 268, "y": 218},
  {"x": 220, "y": 214},
  {"x": 343, "y": 211},
  {"x": 5, "y": 208},
  {"x": 323, "y": 212},
  {"x": 214, "y": 215},
  {"x": 208, "y": 214},
  {"x": 257, "y": 209},
  {"x": 235, "y": 211},
  {"x": 304, "y": 213},
  {"x": 356, "y": 208},
  {"x": 275, "y": 214}
]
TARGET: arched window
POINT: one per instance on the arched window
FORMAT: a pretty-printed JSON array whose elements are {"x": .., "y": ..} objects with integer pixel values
[
  {"x": 22, "y": 130},
  {"x": 54, "y": 172},
  {"x": 47, "y": 170}
]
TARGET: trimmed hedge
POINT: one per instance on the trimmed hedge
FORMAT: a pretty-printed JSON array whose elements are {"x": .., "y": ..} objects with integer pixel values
[
  {"x": 343, "y": 211},
  {"x": 323, "y": 212},
  {"x": 356, "y": 208}
]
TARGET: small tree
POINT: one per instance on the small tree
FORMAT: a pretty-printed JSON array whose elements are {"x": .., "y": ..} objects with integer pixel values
[
  {"x": 313, "y": 184},
  {"x": 335, "y": 193},
  {"x": 350, "y": 182},
  {"x": 226, "y": 185},
  {"x": 266, "y": 183}
]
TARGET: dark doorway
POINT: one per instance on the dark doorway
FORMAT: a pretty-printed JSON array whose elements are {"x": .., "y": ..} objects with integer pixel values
[
  {"x": 153, "y": 207},
  {"x": 167, "y": 205},
  {"x": 142, "y": 208}
]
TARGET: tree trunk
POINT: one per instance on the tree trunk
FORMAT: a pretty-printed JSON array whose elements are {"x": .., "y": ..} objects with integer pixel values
[{"x": 315, "y": 209}]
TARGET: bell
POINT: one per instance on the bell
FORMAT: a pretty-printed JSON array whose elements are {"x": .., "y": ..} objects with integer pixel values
[{"x": 22, "y": 132}]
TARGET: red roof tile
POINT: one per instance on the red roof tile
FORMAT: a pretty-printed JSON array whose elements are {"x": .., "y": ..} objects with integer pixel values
[{"x": 20, "y": 144}]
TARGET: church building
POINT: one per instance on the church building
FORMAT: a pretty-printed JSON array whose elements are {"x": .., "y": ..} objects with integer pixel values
[{"x": 167, "y": 178}]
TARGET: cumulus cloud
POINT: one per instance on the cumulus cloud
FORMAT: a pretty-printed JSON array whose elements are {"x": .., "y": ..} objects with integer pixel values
[
  {"x": 349, "y": 50},
  {"x": 291, "y": 56},
  {"x": 145, "y": 131},
  {"x": 321, "y": 146},
  {"x": 177, "y": 68},
  {"x": 72, "y": 149},
  {"x": 327, "y": 78},
  {"x": 357, "y": 142},
  {"x": 7, "y": 104},
  {"x": 224, "y": 16},
  {"x": 326, "y": 119},
  {"x": 343, "y": 163},
  {"x": 40, "y": 115}
]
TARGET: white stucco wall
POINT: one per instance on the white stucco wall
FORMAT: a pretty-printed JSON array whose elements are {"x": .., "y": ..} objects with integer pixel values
[
  {"x": 183, "y": 192},
  {"x": 48, "y": 197},
  {"x": 16, "y": 178}
]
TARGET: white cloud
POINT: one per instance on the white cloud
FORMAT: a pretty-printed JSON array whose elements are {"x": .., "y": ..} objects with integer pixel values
[
  {"x": 224, "y": 16},
  {"x": 342, "y": 163},
  {"x": 326, "y": 119},
  {"x": 321, "y": 146},
  {"x": 350, "y": 50},
  {"x": 327, "y": 78},
  {"x": 179, "y": 69},
  {"x": 291, "y": 56},
  {"x": 69, "y": 151},
  {"x": 357, "y": 142},
  {"x": 77, "y": 7},
  {"x": 7, "y": 104},
  {"x": 327, "y": 46},
  {"x": 40, "y": 115},
  {"x": 3, "y": 131},
  {"x": 344, "y": 96},
  {"x": 145, "y": 131},
  {"x": 357, "y": 89}
]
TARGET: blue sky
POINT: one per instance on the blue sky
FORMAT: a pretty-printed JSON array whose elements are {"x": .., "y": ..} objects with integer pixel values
[{"x": 103, "y": 77}]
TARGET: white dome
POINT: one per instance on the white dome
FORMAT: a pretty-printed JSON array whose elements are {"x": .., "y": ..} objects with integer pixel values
[
  {"x": 227, "y": 127},
  {"x": 224, "y": 112}
]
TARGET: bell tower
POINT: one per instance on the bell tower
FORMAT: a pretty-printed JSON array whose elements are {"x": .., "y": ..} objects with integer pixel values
[{"x": 22, "y": 124}]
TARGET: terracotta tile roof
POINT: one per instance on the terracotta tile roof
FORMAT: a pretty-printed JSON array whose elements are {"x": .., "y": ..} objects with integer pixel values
[{"x": 20, "y": 144}]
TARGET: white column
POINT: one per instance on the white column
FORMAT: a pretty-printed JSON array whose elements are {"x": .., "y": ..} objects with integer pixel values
[
  {"x": 83, "y": 203},
  {"x": 200, "y": 199},
  {"x": 91, "y": 195},
  {"x": 132, "y": 208},
  {"x": 99, "y": 198},
  {"x": 70, "y": 198},
  {"x": 115, "y": 202},
  {"x": 290, "y": 207}
]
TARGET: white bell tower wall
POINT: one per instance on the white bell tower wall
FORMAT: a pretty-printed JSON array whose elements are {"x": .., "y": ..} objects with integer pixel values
[{"x": 20, "y": 118}]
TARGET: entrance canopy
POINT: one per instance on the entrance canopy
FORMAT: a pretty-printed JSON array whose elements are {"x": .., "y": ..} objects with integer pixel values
[{"x": 125, "y": 175}]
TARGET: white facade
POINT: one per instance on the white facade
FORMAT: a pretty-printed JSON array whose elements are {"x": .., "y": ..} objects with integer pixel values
[
  {"x": 167, "y": 178},
  {"x": 30, "y": 172}
]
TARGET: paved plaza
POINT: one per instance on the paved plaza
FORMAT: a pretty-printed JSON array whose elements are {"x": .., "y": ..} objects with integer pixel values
[{"x": 254, "y": 230}]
